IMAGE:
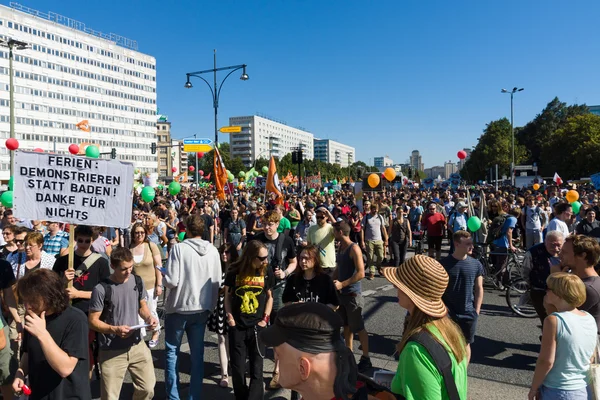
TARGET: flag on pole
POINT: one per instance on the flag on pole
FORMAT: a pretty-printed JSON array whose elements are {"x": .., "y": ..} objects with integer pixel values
[
  {"x": 273, "y": 181},
  {"x": 220, "y": 174},
  {"x": 557, "y": 179}
]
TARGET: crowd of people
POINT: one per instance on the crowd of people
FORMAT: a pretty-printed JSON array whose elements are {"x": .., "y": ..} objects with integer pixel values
[{"x": 285, "y": 273}]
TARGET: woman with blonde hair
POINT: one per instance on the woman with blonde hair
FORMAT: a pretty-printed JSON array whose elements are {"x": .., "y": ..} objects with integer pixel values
[
  {"x": 431, "y": 338},
  {"x": 568, "y": 342}
]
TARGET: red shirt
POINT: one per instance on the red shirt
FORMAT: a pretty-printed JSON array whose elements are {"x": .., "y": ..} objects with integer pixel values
[{"x": 434, "y": 223}]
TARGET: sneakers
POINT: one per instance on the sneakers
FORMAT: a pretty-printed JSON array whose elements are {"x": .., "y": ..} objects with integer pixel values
[
  {"x": 370, "y": 276},
  {"x": 274, "y": 384},
  {"x": 364, "y": 364}
]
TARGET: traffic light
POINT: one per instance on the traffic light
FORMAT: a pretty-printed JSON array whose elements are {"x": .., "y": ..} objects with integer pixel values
[
  {"x": 297, "y": 157},
  {"x": 113, "y": 153},
  {"x": 153, "y": 148},
  {"x": 409, "y": 173}
]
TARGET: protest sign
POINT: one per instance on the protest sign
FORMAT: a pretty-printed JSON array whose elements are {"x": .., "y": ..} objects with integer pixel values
[
  {"x": 73, "y": 189},
  {"x": 596, "y": 180}
]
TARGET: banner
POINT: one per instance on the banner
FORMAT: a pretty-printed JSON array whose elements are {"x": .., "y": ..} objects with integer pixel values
[
  {"x": 313, "y": 182},
  {"x": 596, "y": 180},
  {"x": 72, "y": 189}
]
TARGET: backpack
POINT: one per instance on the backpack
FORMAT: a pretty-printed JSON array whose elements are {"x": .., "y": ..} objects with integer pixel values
[
  {"x": 109, "y": 307},
  {"x": 495, "y": 230},
  {"x": 276, "y": 259}
]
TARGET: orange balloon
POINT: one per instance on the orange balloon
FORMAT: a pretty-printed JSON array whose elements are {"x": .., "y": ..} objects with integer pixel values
[
  {"x": 536, "y": 186},
  {"x": 572, "y": 196},
  {"x": 390, "y": 174},
  {"x": 373, "y": 180}
]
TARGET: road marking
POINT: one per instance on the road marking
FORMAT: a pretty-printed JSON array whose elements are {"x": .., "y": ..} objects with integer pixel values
[
  {"x": 386, "y": 287},
  {"x": 368, "y": 293},
  {"x": 185, "y": 347}
]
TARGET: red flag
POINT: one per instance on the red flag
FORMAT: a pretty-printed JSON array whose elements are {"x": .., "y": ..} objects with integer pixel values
[
  {"x": 273, "y": 181},
  {"x": 557, "y": 179},
  {"x": 220, "y": 174}
]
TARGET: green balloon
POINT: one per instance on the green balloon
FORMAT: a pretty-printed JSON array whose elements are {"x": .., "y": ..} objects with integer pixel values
[
  {"x": 242, "y": 174},
  {"x": 7, "y": 199},
  {"x": 181, "y": 236},
  {"x": 576, "y": 207},
  {"x": 11, "y": 182},
  {"x": 265, "y": 169},
  {"x": 148, "y": 194},
  {"x": 334, "y": 182},
  {"x": 230, "y": 177},
  {"x": 312, "y": 190},
  {"x": 174, "y": 188},
  {"x": 160, "y": 187},
  {"x": 92, "y": 151},
  {"x": 331, "y": 191},
  {"x": 474, "y": 224}
]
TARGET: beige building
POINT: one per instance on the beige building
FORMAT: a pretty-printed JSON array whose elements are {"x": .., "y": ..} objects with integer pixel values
[{"x": 163, "y": 138}]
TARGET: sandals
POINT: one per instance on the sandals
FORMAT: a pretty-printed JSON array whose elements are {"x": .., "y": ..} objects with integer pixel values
[{"x": 224, "y": 382}]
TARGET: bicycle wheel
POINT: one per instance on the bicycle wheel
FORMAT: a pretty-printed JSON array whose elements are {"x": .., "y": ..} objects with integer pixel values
[{"x": 518, "y": 299}]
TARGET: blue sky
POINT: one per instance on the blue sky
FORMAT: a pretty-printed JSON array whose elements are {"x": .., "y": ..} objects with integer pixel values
[{"x": 386, "y": 77}]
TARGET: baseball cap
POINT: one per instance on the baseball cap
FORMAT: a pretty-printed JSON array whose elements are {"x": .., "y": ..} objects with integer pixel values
[
  {"x": 312, "y": 328},
  {"x": 461, "y": 204}
]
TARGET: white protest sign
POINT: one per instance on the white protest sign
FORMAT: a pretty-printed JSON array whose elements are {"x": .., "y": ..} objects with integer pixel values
[{"x": 73, "y": 189}]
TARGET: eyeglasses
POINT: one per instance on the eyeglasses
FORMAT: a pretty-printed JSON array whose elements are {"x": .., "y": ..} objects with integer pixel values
[
  {"x": 6, "y": 233},
  {"x": 140, "y": 233},
  {"x": 30, "y": 244},
  {"x": 87, "y": 241},
  {"x": 262, "y": 258},
  {"x": 320, "y": 216},
  {"x": 20, "y": 241}
]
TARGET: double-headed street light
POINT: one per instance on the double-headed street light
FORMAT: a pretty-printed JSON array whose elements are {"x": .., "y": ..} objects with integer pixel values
[
  {"x": 214, "y": 89},
  {"x": 12, "y": 44},
  {"x": 512, "y": 133}
]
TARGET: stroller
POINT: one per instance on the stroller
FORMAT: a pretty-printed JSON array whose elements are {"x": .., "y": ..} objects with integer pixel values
[{"x": 419, "y": 238}]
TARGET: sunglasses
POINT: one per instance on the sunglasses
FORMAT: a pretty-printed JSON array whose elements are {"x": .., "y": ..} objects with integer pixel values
[
  {"x": 19, "y": 241},
  {"x": 262, "y": 258},
  {"x": 6, "y": 233},
  {"x": 87, "y": 241},
  {"x": 140, "y": 233}
]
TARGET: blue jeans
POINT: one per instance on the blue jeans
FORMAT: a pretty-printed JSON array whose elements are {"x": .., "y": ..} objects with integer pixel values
[
  {"x": 559, "y": 394},
  {"x": 194, "y": 326}
]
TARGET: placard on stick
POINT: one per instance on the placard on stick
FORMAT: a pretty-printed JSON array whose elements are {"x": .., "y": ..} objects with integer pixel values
[{"x": 72, "y": 189}]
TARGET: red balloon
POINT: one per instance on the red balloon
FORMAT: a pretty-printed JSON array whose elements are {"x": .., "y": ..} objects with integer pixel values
[
  {"x": 191, "y": 168},
  {"x": 12, "y": 144},
  {"x": 74, "y": 149},
  {"x": 200, "y": 154},
  {"x": 38, "y": 150},
  {"x": 201, "y": 173},
  {"x": 462, "y": 154},
  {"x": 174, "y": 169}
]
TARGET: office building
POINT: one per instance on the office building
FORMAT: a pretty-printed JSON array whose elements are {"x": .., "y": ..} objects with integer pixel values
[
  {"x": 179, "y": 156},
  {"x": 332, "y": 152},
  {"x": 163, "y": 138},
  {"x": 69, "y": 74},
  {"x": 436, "y": 171},
  {"x": 416, "y": 162},
  {"x": 383, "y": 162},
  {"x": 449, "y": 169},
  {"x": 594, "y": 110},
  {"x": 261, "y": 137}
]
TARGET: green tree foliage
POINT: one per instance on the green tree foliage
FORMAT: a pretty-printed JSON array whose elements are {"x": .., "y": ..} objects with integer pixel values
[
  {"x": 572, "y": 150},
  {"x": 493, "y": 147},
  {"x": 536, "y": 134}
]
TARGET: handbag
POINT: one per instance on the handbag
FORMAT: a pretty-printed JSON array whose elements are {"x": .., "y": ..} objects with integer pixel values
[{"x": 595, "y": 373}]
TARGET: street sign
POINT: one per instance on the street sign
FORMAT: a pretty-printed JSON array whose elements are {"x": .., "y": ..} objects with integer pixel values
[
  {"x": 197, "y": 145},
  {"x": 230, "y": 129},
  {"x": 524, "y": 167}
]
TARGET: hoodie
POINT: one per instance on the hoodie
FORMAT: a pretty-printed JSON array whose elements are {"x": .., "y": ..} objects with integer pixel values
[{"x": 194, "y": 276}]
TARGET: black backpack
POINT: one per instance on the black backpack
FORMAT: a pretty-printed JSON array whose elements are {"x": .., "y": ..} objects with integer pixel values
[
  {"x": 109, "y": 307},
  {"x": 495, "y": 230}
]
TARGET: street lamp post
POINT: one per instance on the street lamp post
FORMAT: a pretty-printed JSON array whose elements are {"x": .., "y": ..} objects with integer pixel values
[
  {"x": 512, "y": 133},
  {"x": 214, "y": 89},
  {"x": 12, "y": 44}
]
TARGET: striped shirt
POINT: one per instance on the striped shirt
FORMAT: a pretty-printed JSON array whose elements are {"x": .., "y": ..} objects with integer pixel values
[{"x": 53, "y": 244}]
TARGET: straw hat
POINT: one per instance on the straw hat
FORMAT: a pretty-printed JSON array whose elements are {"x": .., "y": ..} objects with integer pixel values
[{"x": 424, "y": 281}]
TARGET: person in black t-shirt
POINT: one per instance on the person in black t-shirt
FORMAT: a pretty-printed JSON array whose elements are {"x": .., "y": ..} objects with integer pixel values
[
  {"x": 55, "y": 345},
  {"x": 89, "y": 269},
  {"x": 309, "y": 282},
  {"x": 248, "y": 303}
]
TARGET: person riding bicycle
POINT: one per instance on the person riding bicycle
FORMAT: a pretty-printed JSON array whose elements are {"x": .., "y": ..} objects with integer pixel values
[
  {"x": 502, "y": 229},
  {"x": 540, "y": 261}
]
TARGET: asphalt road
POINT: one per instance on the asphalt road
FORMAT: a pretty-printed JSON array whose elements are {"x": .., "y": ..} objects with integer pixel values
[{"x": 502, "y": 364}]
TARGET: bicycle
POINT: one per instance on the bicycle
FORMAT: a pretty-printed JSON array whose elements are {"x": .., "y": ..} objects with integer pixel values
[
  {"x": 499, "y": 277},
  {"x": 419, "y": 239},
  {"x": 519, "y": 299}
]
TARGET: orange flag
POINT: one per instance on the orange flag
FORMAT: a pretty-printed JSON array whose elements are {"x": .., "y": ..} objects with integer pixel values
[
  {"x": 83, "y": 125},
  {"x": 220, "y": 174},
  {"x": 273, "y": 181}
]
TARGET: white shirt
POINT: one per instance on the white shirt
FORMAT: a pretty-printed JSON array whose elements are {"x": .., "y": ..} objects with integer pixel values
[{"x": 558, "y": 225}]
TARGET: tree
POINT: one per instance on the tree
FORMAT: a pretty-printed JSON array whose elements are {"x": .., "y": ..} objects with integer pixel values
[
  {"x": 536, "y": 134},
  {"x": 493, "y": 147},
  {"x": 572, "y": 150}
]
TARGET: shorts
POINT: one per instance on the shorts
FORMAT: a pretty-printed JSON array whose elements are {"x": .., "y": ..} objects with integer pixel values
[
  {"x": 435, "y": 242},
  {"x": 467, "y": 325},
  {"x": 8, "y": 363},
  {"x": 548, "y": 393},
  {"x": 350, "y": 310}
]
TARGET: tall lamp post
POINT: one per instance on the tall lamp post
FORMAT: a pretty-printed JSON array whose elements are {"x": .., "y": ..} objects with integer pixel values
[
  {"x": 512, "y": 133},
  {"x": 12, "y": 44},
  {"x": 214, "y": 89}
]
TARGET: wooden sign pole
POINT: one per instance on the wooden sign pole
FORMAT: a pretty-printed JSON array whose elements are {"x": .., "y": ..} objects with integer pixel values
[{"x": 71, "y": 250}]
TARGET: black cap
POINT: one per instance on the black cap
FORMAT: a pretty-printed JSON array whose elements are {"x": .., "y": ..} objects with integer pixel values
[{"x": 309, "y": 327}]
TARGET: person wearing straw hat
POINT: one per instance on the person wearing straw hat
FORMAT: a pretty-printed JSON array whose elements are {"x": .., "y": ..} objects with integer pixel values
[{"x": 421, "y": 281}]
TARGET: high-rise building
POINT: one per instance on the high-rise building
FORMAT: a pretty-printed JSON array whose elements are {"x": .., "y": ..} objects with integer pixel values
[
  {"x": 261, "y": 137},
  {"x": 330, "y": 151},
  {"x": 449, "y": 169},
  {"x": 381, "y": 162},
  {"x": 416, "y": 163},
  {"x": 70, "y": 73},
  {"x": 179, "y": 156},
  {"x": 461, "y": 163},
  {"x": 163, "y": 137}
]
